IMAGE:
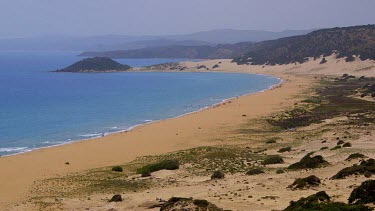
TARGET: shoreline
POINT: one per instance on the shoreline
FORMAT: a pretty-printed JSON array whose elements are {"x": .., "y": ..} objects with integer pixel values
[
  {"x": 208, "y": 127},
  {"x": 153, "y": 121}
]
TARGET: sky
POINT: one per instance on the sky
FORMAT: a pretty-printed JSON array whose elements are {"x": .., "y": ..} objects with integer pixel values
[{"x": 24, "y": 18}]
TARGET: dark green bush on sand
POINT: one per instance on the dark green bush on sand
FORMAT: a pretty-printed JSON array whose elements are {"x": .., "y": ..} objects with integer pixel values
[
  {"x": 217, "y": 175},
  {"x": 336, "y": 147},
  {"x": 365, "y": 167},
  {"x": 355, "y": 156},
  {"x": 117, "y": 168},
  {"x": 285, "y": 149},
  {"x": 162, "y": 165},
  {"x": 309, "y": 162},
  {"x": 304, "y": 183},
  {"x": 340, "y": 142},
  {"x": 280, "y": 171},
  {"x": 178, "y": 203},
  {"x": 363, "y": 194},
  {"x": 321, "y": 201},
  {"x": 254, "y": 171},
  {"x": 273, "y": 159}
]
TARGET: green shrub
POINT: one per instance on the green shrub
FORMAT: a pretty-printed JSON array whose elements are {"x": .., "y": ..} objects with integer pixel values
[
  {"x": 280, "y": 171},
  {"x": 355, "y": 156},
  {"x": 303, "y": 183},
  {"x": 217, "y": 175},
  {"x": 336, "y": 147},
  {"x": 215, "y": 66},
  {"x": 273, "y": 159},
  {"x": 308, "y": 162},
  {"x": 254, "y": 171},
  {"x": 117, "y": 168},
  {"x": 285, "y": 149},
  {"x": 177, "y": 203},
  {"x": 365, "y": 167},
  {"x": 363, "y": 194},
  {"x": 321, "y": 201},
  {"x": 323, "y": 148},
  {"x": 162, "y": 165}
]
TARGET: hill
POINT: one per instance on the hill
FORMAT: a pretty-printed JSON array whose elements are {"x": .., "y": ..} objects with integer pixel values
[
  {"x": 345, "y": 42},
  {"x": 222, "y": 51},
  {"x": 96, "y": 64}
]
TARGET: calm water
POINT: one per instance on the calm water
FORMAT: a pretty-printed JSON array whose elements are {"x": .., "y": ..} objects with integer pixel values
[{"x": 39, "y": 108}]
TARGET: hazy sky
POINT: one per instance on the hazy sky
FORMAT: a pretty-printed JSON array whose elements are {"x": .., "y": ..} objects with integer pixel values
[{"x": 20, "y": 18}]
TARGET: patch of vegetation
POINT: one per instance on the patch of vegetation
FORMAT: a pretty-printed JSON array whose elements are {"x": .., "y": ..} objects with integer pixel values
[
  {"x": 363, "y": 194},
  {"x": 272, "y": 140},
  {"x": 215, "y": 66},
  {"x": 117, "y": 168},
  {"x": 336, "y": 147},
  {"x": 355, "y": 156},
  {"x": 273, "y": 159},
  {"x": 336, "y": 100},
  {"x": 116, "y": 198},
  {"x": 162, "y": 165},
  {"x": 308, "y": 162},
  {"x": 178, "y": 203},
  {"x": 254, "y": 171},
  {"x": 321, "y": 201},
  {"x": 347, "y": 144},
  {"x": 313, "y": 99},
  {"x": 324, "y": 60},
  {"x": 280, "y": 171},
  {"x": 365, "y": 167},
  {"x": 285, "y": 149},
  {"x": 323, "y": 148},
  {"x": 305, "y": 183},
  {"x": 217, "y": 175}
]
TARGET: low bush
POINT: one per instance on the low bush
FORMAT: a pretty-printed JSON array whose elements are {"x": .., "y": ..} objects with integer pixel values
[
  {"x": 308, "y": 162},
  {"x": 280, "y": 171},
  {"x": 363, "y": 194},
  {"x": 116, "y": 198},
  {"x": 321, "y": 201},
  {"x": 323, "y": 148},
  {"x": 355, "y": 156},
  {"x": 273, "y": 159},
  {"x": 285, "y": 149},
  {"x": 365, "y": 167},
  {"x": 254, "y": 171},
  {"x": 305, "y": 183},
  {"x": 117, "y": 168},
  {"x": 178, "y": 203},
  {"x": 336, "y": 147},
  {"x": 347, "y": 144},
  {"x": 162, "y": 165},
  {"x": 217, "y": 175}
]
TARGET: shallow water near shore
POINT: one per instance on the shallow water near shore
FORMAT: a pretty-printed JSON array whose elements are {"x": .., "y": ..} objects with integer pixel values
[{"x": 40, "y": 108}]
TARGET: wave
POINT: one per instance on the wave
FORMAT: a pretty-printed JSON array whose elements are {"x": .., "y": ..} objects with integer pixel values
[
  {"x": 91, "y": 135},
  {"x": 12, "y": 149}
]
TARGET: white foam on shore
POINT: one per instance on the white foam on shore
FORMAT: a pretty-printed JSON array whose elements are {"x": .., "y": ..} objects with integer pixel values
[
  {"x": 97, "y": 135},
  {"x": 12, "y": 149}
]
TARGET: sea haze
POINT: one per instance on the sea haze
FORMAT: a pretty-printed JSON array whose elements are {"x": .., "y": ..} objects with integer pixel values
[{"x": 39, "y": 108}]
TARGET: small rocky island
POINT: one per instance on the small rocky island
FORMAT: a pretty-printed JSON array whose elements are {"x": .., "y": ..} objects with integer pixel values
[{"x": 95, "y": 64}]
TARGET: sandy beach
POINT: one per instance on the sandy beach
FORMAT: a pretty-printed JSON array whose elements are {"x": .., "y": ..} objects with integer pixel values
[{"x": 204, "y": 128}]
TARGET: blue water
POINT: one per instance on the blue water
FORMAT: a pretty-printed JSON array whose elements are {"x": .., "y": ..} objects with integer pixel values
[{"x": 40, "y": 108}]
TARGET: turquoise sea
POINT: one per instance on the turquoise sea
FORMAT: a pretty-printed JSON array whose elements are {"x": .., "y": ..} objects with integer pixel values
[{"x": 39, "y": 108}]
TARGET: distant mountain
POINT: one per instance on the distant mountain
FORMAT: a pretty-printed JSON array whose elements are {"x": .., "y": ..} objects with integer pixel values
[
  {"x": 345, "y": 42},
  {"x": 124, "y": 42},
  {"x": 231, "y": 36},
  {"x": 222, "y": 51},
  {"x": 96, "y": 64}
]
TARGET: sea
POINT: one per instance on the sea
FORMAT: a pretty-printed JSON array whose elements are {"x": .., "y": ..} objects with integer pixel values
[{"x": 40, "y": 108}]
